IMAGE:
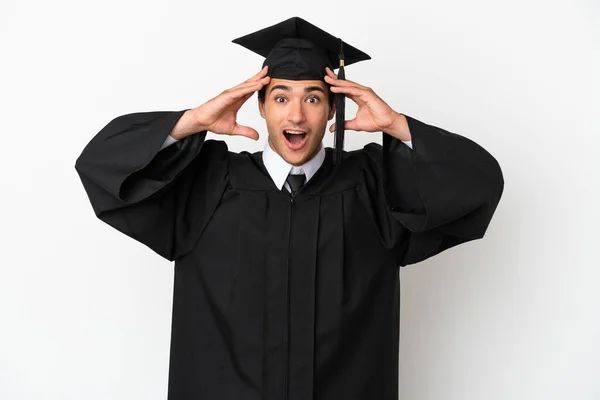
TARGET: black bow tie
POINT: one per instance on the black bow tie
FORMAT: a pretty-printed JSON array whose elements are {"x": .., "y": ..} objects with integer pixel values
[{"x": 296, "y": 182}]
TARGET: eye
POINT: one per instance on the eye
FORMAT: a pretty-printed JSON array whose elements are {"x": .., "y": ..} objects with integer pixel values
[
  {"x": 279, "y": 99},
  {"x": 313, "y": 100}
]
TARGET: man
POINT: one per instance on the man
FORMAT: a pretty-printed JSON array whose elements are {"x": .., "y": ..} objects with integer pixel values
[{"x": 286, "y": 279}]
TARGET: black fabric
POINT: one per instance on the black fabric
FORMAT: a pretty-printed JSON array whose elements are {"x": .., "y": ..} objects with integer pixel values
[
  {"x": 296, "y": 182},
  {"x": 295, "y": 49},
  {"x": 281, "y": 297}
]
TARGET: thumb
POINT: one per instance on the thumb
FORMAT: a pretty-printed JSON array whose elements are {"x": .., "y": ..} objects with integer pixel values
[
  {"x": 244, "y": 131},
  {"x": 348, "y": 125},
  {"x": 351, "y": 125}
]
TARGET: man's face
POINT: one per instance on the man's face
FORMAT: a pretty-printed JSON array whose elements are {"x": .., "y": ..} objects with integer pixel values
[{"x": 296, "y": 113}]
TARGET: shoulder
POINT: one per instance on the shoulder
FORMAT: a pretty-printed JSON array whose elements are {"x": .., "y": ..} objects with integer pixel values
[
  {"x": 357, "y": 165},
  {"x": 368, "y": 157}
]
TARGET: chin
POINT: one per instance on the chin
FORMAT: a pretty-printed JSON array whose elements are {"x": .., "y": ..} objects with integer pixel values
[{"x": 295, "y": 159}]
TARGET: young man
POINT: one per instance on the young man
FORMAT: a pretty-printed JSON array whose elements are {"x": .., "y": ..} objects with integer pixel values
[{"x": 286, "y": 278}]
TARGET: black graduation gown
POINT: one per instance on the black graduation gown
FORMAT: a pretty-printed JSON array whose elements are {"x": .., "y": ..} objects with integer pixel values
[{"x": 278, "y": 297}]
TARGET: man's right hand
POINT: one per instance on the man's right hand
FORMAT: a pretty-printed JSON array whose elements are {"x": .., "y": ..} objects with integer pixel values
[{"x": 219, "y": 115}]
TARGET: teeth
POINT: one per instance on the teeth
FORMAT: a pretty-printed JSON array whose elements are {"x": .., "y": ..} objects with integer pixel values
[{"x": 295, "y": 132}]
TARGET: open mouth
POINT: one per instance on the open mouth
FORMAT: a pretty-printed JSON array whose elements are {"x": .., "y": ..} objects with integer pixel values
[{"x": 295, "y": 139}]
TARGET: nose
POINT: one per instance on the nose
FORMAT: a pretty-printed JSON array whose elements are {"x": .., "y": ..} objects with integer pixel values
[{"x": 296, "y": 112}]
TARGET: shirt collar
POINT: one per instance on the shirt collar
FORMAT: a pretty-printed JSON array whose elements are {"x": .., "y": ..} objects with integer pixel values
[{"x": 279, "y": 169}]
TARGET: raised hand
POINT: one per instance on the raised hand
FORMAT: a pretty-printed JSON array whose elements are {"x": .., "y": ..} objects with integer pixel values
[
  {"x": 219, "y": 115},
  {"x": 373, "y": 114}
]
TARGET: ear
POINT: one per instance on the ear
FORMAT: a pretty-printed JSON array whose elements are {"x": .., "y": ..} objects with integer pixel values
[
  {"x": 261, "y": 109},
  {"x": 331, "y": 111}
]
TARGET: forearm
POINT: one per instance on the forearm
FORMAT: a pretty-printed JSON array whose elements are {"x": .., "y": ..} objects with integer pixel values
[{"x": 186, "y": 125}]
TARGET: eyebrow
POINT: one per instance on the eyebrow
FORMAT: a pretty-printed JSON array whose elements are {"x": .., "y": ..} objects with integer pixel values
[{"x": 307, "y": 89}]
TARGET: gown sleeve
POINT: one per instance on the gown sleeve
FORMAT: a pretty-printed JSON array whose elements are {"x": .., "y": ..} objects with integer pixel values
[
  {"x": 161, "y": 198},
  {"x": 440, "y": 194}
]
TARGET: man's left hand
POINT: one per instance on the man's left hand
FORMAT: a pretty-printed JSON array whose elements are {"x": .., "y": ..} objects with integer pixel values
[{"x": 373, "y": 114}]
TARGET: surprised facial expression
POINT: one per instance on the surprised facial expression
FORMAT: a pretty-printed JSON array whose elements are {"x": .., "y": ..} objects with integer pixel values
[{"x": 296, "y": 113}]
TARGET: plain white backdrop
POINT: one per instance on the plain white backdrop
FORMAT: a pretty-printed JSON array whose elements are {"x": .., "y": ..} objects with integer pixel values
[{"x": 85, "y": 312}]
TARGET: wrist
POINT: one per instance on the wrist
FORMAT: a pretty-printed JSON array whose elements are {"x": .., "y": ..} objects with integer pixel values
[
  {"x": 399, "y": 128},
  {"x": 186, "y": 125}
]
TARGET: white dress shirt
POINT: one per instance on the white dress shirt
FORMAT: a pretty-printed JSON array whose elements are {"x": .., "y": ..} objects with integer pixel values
[{"x": 279, "y": 169}]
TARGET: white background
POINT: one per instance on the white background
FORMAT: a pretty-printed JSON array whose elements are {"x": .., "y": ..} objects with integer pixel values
[{"x": 85, "y": 312}]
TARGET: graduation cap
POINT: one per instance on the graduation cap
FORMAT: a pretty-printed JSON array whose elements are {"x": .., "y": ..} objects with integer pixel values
[{"x": 298, "y": 50}]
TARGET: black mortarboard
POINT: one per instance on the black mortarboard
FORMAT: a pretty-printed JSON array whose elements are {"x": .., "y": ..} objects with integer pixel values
[{"x": 297, "y": 50}]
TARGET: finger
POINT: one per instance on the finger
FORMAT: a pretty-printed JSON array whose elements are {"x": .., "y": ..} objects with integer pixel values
[
  {"x": 343, "y": 82},
  {"x": 235, "y": 99},
  {"x": 263, "y": 81},
  {"x": 359, "y": 96},
  {"x": 330, "y": 72},
  {"x": 349, "y": 90},
  {"x": 247, "y": 88},
  {"x": 242, "y": 130},
  {"x": 261, "y": 74}
]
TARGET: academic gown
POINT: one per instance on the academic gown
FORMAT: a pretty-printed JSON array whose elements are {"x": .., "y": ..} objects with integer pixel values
[{"x": 279, "y": 297}]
